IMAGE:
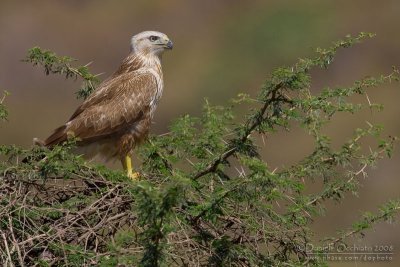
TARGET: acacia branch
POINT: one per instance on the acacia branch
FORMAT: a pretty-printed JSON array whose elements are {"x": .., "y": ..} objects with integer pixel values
[
  {"x": 368, "y": 221},
  {"x": 253, "y": 124}
]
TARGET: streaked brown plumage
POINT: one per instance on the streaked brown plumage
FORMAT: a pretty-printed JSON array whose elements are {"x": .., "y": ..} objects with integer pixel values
[{"x": 117, "y": 116}]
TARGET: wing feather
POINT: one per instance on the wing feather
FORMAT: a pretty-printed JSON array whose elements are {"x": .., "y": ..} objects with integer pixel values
[{"x": 115, "y": 106}]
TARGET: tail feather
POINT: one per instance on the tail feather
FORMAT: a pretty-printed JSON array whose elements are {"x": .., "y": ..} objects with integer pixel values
[
  {"x": 38, "y": 142},
  {"x": 58, "y": 136},
  {"x": 30, "y": 158}
]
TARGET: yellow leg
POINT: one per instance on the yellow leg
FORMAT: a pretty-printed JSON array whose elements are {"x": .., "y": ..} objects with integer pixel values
[{"x": 128, "y": 167}]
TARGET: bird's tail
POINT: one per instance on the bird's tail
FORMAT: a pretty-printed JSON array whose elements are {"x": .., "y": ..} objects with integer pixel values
[
  {"x": 38, "y": 142},
  {"x": 30, "y": 158},
  {"x": 57, "y": 137}
]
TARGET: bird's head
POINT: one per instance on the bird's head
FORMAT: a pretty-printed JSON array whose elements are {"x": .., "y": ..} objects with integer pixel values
[{"x": 150, "y": 42}]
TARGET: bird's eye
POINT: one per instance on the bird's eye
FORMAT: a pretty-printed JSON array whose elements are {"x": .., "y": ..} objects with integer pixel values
[{"x": 153, "y": 38}]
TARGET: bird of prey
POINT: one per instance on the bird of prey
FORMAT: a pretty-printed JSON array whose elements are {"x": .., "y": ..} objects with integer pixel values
[{"x": 117, "y": 115}]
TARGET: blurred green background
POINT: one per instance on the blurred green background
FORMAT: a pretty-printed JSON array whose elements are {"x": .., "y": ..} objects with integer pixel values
[{"x": 221, "y": 48}]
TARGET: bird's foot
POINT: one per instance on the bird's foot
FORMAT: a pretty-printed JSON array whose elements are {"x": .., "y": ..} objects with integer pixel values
[{"x": 134, "y": 176}]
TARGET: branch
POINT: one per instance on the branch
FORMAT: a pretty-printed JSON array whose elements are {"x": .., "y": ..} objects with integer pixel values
[
  {"x": 387, "y": 211},
  {"x": 3, "y": 110},
  {"x": 62, "y": 65},
  {"x": 294, "y": 78}
]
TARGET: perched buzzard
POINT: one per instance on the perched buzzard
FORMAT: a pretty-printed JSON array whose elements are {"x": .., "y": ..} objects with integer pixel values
[{"x": 118, "y": 114}]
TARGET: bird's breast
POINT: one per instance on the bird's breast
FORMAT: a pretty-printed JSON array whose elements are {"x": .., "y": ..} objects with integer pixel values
[{"x": 158, "y": 90}]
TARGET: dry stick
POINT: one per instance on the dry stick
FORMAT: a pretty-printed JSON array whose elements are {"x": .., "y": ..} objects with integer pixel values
[
  {"x": 32, "y": 239},
  {"x": 15, "y": 243},
  {"x": 103, "y": 202},
  {"x": 90, "y": 209},
  {"x": 103, "y": 222},
  {"x": 7, "y": 250}
]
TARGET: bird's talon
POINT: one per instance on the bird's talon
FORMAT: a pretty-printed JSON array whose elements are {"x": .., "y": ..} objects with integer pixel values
[{"x": 134, "y": 176}]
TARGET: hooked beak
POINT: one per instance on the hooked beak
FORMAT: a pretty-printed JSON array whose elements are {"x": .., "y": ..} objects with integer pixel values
[{"x": 169, "y": 45}]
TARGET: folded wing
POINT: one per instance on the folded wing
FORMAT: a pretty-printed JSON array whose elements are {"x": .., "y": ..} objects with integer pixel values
[{"x": 116, "y": 105}]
